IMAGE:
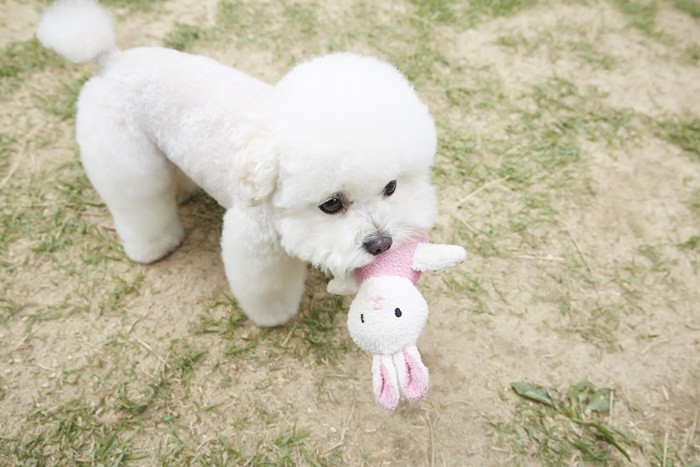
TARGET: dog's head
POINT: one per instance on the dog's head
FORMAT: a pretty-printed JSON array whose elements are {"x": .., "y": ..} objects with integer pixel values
[{"x": 343, "y": 162}]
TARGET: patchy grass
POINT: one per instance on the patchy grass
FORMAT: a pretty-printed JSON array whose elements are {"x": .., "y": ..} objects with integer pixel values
[
  {"x": 314, "y": 334},
  {"x": 106, "y": 362},
  {"x": 533, "y": 168},
  {"x": 134, "y": 5},
  {"x": 689, "y": 7},
  {"x": 641, "y": 14},
  {"x": 692, "y": 54},
  {"x": 416, "y": 61},
  {"x": 468, "y": 14},
  {"x": 557, "y": 429},
  {"x": 183, "y": 37},
  {"x": 592, "y": 55},
  {"x": 21, "y": 58},
  {"x": 7, "y": 149},
  {"x": 79, "y": 431},
  {"x": 62, "y": 102},
  {"x": 70, "y": 433},
  {"x": 684, "y": 133},
  {"x": 439, "y": 11},
  {"x": 282, "y": 23},
  {"x": 318, "y": 329}
]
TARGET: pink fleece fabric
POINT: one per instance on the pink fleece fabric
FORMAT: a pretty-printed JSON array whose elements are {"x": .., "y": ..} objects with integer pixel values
[{"x": 393, "y": 262}]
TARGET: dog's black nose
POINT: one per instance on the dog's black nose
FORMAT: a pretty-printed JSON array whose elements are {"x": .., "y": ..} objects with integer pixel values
[{"x": 377, "y": 243}]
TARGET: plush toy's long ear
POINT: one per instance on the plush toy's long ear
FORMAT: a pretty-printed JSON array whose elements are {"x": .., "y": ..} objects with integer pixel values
[
  {"x": 412, "y": 374},
  {"x": 432, "y": 257},
  {"x": 384, "y": 382},
  {"x": 254, "y": 165}
]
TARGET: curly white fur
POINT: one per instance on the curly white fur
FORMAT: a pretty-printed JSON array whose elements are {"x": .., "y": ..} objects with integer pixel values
[{"x": 153, "y": 122}]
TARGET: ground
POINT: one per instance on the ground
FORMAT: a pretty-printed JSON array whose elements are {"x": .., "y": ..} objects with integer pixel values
[{"x": 568, "y": 166}]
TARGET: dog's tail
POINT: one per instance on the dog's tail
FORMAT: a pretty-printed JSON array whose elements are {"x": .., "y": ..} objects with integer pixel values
[{"x": 78, "y": 30}]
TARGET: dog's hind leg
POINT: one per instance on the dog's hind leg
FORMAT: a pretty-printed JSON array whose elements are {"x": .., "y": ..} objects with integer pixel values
[
  {"x": 267, "y": 283},
  {"x": 135, "y": 180}
]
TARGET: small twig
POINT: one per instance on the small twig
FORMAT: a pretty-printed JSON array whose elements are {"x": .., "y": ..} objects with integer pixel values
[
  {"x": 286, "y": 339},
  {"x": 346, "y": 422},
  {"x": 663, "y": 463},
  {"x": 150, "y": 349},
  {"x": 691, "y": 432},
  {"x": 60, "y": 230},
  {"x": 44, "y": 367},
  {"x": 333, "y": 447},
  {"x": 432, "y": 441},
  {"x": 612, "y": 406},
  {"x": 202, "y": 444},
  {"x": 131, "y": 328},
  {"x": 583, "y": 258},
  {"x": 558, "y": 259},
  {"x": 10, "y": 173},
  {"x": 58, "y": 204},
  {"x": 480, "y": 189},
  {"x": 467, "y": 225}
]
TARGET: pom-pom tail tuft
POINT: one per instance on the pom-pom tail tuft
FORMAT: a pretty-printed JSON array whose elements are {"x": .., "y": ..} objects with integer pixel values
[{"x": 78, "y": 30}]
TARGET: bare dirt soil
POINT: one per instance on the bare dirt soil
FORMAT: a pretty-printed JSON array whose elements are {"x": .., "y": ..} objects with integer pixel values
[{"x": 569, "y": 167}]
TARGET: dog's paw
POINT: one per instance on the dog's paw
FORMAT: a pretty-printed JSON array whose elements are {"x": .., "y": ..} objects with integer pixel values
[
  {"x": 151, "y": 251},
  {"x": 276, "y": 314},
  {"x": 273, "y": 308}
]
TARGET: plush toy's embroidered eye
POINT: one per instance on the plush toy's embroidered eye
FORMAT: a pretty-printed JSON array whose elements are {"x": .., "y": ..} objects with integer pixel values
[
  {"x": 390, "y": 188},
  {"x": 332, "y": 206},
  {"x": 397, "y": 312},
  {"x": 362, "y": 317}
]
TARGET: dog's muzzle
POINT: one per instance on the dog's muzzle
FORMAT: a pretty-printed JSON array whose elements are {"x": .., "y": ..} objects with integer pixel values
[{"x": 377, "y": 243}]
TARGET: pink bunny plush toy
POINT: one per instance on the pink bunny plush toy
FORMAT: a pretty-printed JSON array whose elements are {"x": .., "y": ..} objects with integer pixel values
[{"x": 388, "y": 314}]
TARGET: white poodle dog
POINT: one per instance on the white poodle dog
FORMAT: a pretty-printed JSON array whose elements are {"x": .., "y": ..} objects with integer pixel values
[{"x": 330, "y": 166}]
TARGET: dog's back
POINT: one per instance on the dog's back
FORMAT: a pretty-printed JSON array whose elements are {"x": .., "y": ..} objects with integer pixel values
[
  {"x": 187, "y": 106},
  {"x": 149, "y": 124}
]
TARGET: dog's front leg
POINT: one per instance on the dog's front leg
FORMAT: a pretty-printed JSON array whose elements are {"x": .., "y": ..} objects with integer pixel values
[{"x": 267, "y": 283}]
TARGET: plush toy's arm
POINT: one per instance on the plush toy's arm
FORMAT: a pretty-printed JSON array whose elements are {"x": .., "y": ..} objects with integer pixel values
[
  {"x": 432, "y": 257},
  {"x": 342, "y": 286}
]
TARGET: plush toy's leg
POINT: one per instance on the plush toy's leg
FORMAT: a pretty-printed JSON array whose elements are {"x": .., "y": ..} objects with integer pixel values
[
  {"x": 132, "y": 176},
  {"x": 267, "y": 283}
]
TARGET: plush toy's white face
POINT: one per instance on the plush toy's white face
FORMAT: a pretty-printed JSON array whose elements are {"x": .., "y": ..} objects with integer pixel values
[
  {"x": 387, "y": 315},
  {"x": 354, "y": 146}
]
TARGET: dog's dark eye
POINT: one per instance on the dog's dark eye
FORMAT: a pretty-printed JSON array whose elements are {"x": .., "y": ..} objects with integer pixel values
[
  {"x": 397, "y": 312},
  {"x": 332, "y": 206},
  {"x": 390, "y": 188}
]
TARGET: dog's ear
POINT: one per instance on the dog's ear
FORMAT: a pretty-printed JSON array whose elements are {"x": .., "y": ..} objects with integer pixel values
[{"x": 254, "y": 165}]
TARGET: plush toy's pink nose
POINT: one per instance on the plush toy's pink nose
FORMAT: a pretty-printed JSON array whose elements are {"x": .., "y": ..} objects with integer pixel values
[{"x": 376, "y": 303}]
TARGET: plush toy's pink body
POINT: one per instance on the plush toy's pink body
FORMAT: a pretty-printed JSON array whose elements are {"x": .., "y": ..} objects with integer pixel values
[
  {"x": 393, "y": 262},
  {"x": 388, "y": 314}
]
